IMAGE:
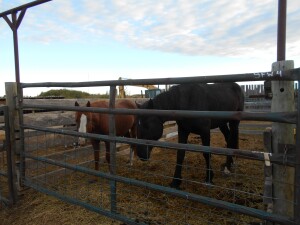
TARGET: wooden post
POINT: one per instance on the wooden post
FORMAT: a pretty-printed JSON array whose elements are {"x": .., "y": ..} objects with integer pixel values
[
  {"x": 283, "y": 176},
  {"x": 11, "y": 98}
]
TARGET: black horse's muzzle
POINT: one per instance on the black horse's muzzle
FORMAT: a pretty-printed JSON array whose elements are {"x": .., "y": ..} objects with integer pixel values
[{"x": 143, "y": 152}]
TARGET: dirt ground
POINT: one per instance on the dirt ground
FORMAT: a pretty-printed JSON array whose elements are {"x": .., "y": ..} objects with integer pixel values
[{"x": 40, "y": 209}]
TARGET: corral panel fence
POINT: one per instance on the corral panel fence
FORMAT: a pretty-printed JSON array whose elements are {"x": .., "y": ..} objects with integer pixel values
[
  {"x": 258, "y": 96},
  {"x": 7, "y": 185},
  {"x": 139, "y": 194}
]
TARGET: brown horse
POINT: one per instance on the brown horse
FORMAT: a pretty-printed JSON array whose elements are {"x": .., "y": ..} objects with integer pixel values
[{"x": 98, "y": 123}]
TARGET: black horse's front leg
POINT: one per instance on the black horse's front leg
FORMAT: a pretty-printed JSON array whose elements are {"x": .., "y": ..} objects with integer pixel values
[
  {"x": 209, "y": 172},
  {"x": 177, "y": 174},
  {"x": 182, "y": 138},
  {"x": 207, "y": 156}
]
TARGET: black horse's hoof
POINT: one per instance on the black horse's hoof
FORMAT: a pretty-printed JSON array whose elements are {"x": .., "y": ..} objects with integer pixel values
[
  {"x": 175, "y": 184},
  {"x": 226, "y": 169},
  {"x": 93, "y": 181},
  {"x": 209, "y": 183}
]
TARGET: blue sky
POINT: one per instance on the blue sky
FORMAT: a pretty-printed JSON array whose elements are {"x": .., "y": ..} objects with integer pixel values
[{"x": 83, "y": 40}]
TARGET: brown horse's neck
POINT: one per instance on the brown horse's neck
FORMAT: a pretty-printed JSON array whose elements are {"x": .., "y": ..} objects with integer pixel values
[{"x": 92, "y": 120}]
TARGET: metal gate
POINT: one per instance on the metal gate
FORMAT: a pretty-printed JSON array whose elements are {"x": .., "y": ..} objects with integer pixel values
[{"x": 66, "y": 175}]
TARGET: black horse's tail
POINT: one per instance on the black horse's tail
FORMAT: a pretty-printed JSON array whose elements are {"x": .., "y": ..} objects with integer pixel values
[
  {"x": 241, "y": 97},
  {"x": 234, "y": 124}
]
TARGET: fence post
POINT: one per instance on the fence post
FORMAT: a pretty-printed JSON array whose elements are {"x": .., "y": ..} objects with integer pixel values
[
  {"x": 283, "y": 176},
  {"x": 267, "y": 197},
  {"x": 297, "y": 166},
  {"x": 11, "y": 97},
  {"x": 112, "y": 165}
]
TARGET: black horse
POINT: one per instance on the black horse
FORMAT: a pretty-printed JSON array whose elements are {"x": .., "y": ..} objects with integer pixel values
[{"x": 196, "y": 97}]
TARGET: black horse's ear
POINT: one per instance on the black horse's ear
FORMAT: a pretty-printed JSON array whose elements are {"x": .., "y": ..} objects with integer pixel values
[
  {"x": 88, "y": 104},
  {"x": 150, "y": 104},
  {"x": 76, "y": 103}
]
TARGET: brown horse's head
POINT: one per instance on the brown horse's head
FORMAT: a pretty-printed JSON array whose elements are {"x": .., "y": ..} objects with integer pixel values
[{"x": 82, "y": 125}]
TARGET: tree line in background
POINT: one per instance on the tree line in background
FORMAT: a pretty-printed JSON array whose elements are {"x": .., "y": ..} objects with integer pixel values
[
  {"x": 65, "y": 93},
  {"x": 71, "y": 94}
]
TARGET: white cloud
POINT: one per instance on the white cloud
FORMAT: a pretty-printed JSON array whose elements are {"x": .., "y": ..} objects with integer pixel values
[
  {"x": 189, "y": 27},
  {"x": 243, "y": 33}
]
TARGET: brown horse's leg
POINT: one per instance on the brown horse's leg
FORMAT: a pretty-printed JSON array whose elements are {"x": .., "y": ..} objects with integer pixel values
[
  {"x": 107, "y": 152},
  {"x": 132, "y": 133},
  {"x": 96, "y": 147}
]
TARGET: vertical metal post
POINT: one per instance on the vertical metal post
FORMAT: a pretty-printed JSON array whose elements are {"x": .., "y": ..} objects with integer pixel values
[
  {"x": 297, "y": 166},
  {"x": 112, "y": 132},
  {"x": 21, "y": 134},
  {"x": 281, "y": 30},
  {"x": 14, "y": 25},
  {"x": 16, "y": 47}
]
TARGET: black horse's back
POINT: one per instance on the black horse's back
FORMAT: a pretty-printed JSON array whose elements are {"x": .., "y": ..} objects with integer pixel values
[{"x": 205, "y": 97}]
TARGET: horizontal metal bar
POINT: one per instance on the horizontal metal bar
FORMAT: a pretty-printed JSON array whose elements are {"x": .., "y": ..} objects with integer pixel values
[
  {"x": 6, "y": 201},
  {"x": 254, "y": 155},
  {"x": 25, "y": 6},
  {"x": 3, "y": 173},
  {"x": 80, "y": 203},
  {"x": 281, "y": 117},
  {"x": 182, "y": 194},
  {"x": 3, "y": 107},
  {"x": 293, "y": 74}
]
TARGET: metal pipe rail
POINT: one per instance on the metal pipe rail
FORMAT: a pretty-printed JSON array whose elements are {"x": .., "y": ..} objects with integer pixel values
[
  {"x": 291, "y": 75},
  {"x": 182, "y": 194},
  {"x": 3, "y": 173},
  {"x": 23, "y": 7},
  {"x": 281, "y": 117},
  {"x": 280, "y": 159}
]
